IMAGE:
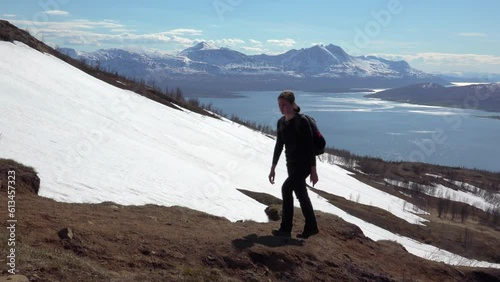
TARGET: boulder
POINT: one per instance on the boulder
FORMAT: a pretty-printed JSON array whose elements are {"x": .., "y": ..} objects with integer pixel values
[{"x": 65, "y": 233}]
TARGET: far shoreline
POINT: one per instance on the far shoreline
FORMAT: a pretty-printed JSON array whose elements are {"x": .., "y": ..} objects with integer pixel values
[
  {"x": 446, "y": 103},
  {"x": 490, "y": 117}
]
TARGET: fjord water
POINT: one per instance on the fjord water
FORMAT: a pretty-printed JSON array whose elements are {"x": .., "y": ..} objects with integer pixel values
[{"x": 389, "y": 130}]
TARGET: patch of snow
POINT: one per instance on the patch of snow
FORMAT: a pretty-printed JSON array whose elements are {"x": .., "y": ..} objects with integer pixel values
[{"x": 441, "y": 191}]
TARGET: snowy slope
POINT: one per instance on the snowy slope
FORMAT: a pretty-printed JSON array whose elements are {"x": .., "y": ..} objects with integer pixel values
[
  {"x": 91, "y": 142},
  {"x": 440, "y": 191}
]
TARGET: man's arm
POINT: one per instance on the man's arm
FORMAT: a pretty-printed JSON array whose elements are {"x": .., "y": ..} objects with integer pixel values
[
  {"x": 306, "y": 130},
  {"x": 278, "y": 148},
  {"x": 309, "y": 148}
]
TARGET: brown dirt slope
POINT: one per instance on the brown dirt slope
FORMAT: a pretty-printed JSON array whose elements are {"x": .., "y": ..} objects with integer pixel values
[{"x": 153, "y": 243}]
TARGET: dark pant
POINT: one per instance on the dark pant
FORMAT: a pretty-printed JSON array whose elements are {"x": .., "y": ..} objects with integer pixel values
[{"x": 296, "y": 182}]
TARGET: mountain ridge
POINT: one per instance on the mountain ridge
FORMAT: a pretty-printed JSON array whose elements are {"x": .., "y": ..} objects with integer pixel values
[{"x": 204, "y": 65}]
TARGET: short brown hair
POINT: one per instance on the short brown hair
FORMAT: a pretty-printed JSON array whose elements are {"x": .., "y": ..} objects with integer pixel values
[{"x": 287, "y": 95}]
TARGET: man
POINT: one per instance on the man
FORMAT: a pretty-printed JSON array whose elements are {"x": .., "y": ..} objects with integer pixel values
[{"x": 295, "y": 134}]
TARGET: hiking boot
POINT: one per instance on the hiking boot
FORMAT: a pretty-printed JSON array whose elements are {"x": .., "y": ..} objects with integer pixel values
[
  {"x": 281, "y": 233},
  {"x": 307, "y": 234}
]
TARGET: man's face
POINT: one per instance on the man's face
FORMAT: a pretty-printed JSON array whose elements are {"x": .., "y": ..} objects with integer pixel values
[{"x": 285, "y": 106}]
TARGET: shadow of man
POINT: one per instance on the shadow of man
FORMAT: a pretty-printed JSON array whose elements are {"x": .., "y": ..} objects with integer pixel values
[{"x": 268, "y": 240}]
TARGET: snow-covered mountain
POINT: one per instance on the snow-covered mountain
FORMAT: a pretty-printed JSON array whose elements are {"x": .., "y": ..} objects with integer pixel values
[
  {"x": 207, "y": 53},
  {"x": 480, "y": 77},
  {"x": 333, "y": 61},
  {"x": 92, "y": 142},
  {"x": 142, "y": 64},
  {"x": 326, "y": 63}
]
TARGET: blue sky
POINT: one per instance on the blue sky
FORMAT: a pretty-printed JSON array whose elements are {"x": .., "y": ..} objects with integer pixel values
[{"x": 444, "y": 36}]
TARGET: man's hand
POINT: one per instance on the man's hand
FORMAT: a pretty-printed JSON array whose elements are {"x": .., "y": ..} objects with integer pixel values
[
  {"x": 314, "y": 176},
  {"x": 272, "y": 174}
]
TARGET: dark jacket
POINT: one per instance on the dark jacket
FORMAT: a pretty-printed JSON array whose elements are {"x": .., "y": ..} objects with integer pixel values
[{"x": 296, "y": 136}]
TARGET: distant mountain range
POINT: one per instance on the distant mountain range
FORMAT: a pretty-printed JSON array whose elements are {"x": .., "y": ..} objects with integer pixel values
[
  {"x": 477, "y": 96},
  {"x": 482, "y": 77},
  {"x": 204, "y": 66}
]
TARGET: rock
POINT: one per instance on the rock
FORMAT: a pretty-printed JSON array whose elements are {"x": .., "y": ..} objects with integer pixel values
[
  {"x": 115, "y": 207},
  {"x": 252, "y": 277},
  {"x": 14, "y": 278},
  {"x": 145, "y": 250},
  {"x": 273, "y": 213},
  {"x": 65, "y": 233}
]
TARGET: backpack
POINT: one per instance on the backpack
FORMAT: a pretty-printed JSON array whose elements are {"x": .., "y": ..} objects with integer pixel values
[{"x": 319, "y": 141}]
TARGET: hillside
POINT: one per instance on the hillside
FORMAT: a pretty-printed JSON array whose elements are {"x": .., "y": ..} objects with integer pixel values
[
  {"x": 10, "y": 33},
  {"x": 211, "y": 68},
  {"x": 94, "y": 145},
  {"x": 112, "y": 242},
  {"x": 481, "y": 96}
]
